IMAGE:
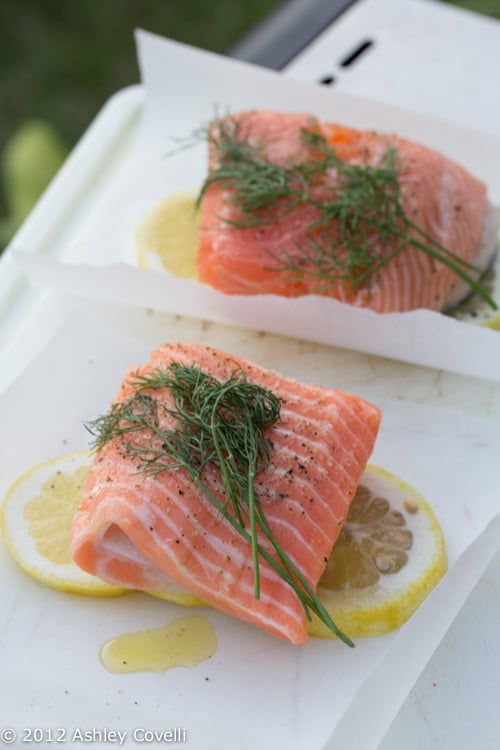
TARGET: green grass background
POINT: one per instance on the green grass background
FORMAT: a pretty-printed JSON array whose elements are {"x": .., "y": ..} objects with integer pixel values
[{"x": 60, "y": 60}]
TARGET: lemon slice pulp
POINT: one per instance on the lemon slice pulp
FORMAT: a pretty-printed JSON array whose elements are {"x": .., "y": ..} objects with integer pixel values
[
  {"x": 36, "y": 518},
  {"x": 389, "y": 556},
  {"x": 167, "y": 236}
]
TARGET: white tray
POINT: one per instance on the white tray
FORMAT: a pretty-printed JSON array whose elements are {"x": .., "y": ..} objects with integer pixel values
[{"x": 451, "y": 704}]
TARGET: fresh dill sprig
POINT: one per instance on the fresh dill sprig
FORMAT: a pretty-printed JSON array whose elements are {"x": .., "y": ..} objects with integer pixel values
[
  {"x": 218, "y": 424},
  {"x": 257, "y": 182},
  {"x": 361, "y": 221}
]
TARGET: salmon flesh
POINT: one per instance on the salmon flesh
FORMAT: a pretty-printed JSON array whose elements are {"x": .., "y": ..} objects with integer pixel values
[
  {"x": 287, "y": 248},
  {"x": 156, "y": 532}
]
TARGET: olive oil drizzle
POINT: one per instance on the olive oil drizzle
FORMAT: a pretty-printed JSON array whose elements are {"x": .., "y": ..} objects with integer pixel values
[{"x": 184, "y": 642}]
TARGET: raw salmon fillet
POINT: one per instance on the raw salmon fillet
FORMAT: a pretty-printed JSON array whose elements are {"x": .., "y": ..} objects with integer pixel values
[
  {"x": 438, "y": 195},
  {"x": 145, "y": 532}
]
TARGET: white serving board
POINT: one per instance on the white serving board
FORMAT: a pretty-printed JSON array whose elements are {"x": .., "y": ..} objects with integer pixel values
[{"x": 451, "y": 703}]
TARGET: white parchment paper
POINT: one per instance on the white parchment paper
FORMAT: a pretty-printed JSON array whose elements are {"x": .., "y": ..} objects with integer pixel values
[
  {"x": 183, "y": 88},
  {"x": 256, "y": 690}
]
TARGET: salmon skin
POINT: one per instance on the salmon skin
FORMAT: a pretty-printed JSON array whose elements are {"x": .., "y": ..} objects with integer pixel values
[
  {"x": 158, "y": 532},
  {"x": 447, "y": 206}
]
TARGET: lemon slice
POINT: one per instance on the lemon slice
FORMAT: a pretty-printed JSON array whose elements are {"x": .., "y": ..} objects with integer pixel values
[
  {"x": 178, "y": 595},
  {"x": 167, "y": 236},
  {"x": 36, "y": 518},
  {"x": 389, "y": 556}
]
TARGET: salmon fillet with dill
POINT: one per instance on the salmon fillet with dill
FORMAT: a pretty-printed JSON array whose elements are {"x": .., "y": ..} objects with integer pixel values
[
  {"x": 293, "y": 206},
  {"x": 224, "y": 478}
]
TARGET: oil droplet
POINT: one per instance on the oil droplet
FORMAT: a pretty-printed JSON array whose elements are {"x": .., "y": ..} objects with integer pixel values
[{"x": 184, "y": 642}]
